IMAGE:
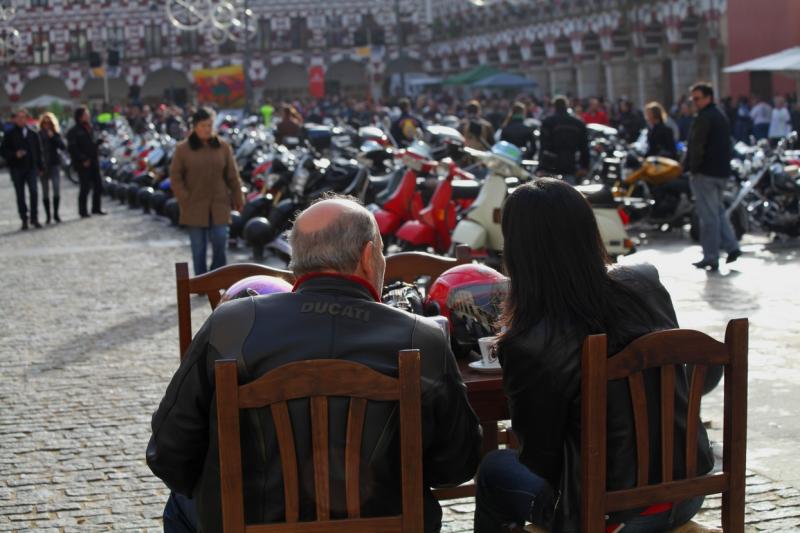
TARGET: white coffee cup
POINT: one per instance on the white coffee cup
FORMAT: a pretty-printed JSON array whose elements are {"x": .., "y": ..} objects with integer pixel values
[{"x": 488, "y": 346}]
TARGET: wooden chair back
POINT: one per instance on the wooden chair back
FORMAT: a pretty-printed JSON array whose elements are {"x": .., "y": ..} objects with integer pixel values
[
  {"x": 212, "y": 284},
  {"x": 664, "y": 350},
  {"x": 318, "y": 380},
  {"x": 410, "y": 266}
]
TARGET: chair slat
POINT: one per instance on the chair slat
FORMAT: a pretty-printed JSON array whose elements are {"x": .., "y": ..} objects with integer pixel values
[
  {"x": 310, "y": 378},
  {"x": 283, "y": 429},
  {"x": 735, "y": 426},
  {"x": 355, "y": 429},
  {"x": 693, "y": 418},
  {"x": 392, "y": 524},
  {"x": 639, "y": 404},
  {"x": 622, "y": 500},
  {"x": 654, "y": 350},
  {"x": 230, "y": 454},
  {"x": 411, "y": 440},
  {"x": 667, "y": 421},
  {"x": 319, "y": 437},
  {"x": 593, "y": 429},
  {"x": 184, "y": 308},
  {"x": 410, "y": 266}
]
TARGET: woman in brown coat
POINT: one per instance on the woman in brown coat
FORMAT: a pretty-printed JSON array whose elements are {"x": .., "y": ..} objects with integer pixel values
[{"x": 206, "y": 184}]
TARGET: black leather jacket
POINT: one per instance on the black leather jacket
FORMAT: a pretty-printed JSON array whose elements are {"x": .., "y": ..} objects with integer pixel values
[
  {"x": 326, "y": 317},
  {"x": 541, "y": 376},
  {"x": 82, "y": 144},
  {"x": 518, "y": 133},
  {"x": 709, "y": 151},
  {"x": 562, "y": 136}
]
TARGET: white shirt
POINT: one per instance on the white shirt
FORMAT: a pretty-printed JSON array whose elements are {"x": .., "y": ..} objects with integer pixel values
[
  {"x": 761, "y": 113},
  {"x": 781, "y": 123}
]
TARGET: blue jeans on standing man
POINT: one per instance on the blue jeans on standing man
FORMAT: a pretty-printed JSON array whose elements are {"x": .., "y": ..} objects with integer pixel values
[
  {"x": 509, "y": 495},
  {"x": 199, "y": 237},
  {"x": 716, "y": 231}
]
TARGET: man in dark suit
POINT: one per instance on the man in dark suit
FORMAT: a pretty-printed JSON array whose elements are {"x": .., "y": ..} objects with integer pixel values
[
  {"x": 23, "y": 153},
  {"x": 82, "y": 143}
]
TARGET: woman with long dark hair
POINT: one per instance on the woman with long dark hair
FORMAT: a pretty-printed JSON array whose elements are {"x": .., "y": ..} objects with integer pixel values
[
  {"x": 206, "y": 183},
  {"x": 561, "y": 290}
]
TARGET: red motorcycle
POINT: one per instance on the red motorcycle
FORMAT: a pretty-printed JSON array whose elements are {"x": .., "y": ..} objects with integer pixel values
[
  {"x": 433, "y": 226},
  {"x": 404, "y": 201}
]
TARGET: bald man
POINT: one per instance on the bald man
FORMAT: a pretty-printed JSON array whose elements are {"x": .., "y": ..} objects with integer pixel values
[{"x": 334, "y": 312}]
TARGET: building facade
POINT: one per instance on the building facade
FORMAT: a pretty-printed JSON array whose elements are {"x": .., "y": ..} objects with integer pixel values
[{"x": 640, "y": 49}]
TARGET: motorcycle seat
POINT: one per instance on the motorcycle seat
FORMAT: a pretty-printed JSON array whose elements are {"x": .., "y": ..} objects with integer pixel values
[
  {"x": 598, "y": 195},
  {"x": 465, "y": 189}
]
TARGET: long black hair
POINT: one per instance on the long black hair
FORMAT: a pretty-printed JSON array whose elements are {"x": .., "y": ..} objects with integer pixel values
[{"x": 558, "y": 265}]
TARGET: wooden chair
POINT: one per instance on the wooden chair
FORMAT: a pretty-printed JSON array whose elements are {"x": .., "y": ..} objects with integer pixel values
[
  {"x": 664, "y": 350},
  {"x": 317, "y": 380},
  {"x": 410, "y": 266},
  {"x": 212, "y": 284}
]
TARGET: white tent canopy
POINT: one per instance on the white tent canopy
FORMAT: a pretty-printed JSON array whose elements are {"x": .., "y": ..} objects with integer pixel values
[
  {"x": 787, "y": 61},
  {"x": 46, "y": 100}
]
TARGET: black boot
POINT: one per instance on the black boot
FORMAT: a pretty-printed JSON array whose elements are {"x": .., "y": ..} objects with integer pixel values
[
  {"x": 56, "y": 200},
  {"x": 47, "y": 211}
]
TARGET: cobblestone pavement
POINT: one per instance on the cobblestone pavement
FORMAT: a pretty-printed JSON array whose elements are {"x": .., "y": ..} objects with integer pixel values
[{"x": 88, "y": 342}]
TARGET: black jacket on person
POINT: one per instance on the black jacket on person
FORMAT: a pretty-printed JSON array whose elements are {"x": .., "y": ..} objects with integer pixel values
[
  {"x": 327, "y": 316},
  {"x": 542, "y": 379},
  {"x": 403, "y": 125},
  {"x": 562, "y": 136},
  {"x": 709, "y": 151},
  {"x": 82, "y": 144},
  {"x": 14, "y": 141},
  {"x": 631, "y": 123},
  {"x": 661, "y": 141},
  {"x": 518, "y": 133},
  {"x": 50, "y": 148}
]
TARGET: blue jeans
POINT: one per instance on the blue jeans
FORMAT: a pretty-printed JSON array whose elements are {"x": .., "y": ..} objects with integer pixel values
[
  {"x": 199, "y": 237},
  {"x": 507, "y": 494},
  {"x": 180, "y": 514},
  {"x": 715, "y": 229}
]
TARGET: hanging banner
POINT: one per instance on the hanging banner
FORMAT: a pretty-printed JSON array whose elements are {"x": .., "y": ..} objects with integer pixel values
[
  {"x": 221, "y": 86},
  {"x": 316, "y": 81}
]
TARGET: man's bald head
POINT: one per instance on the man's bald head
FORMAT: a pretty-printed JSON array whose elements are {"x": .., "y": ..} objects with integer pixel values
[{"x": 330, "y": 235}]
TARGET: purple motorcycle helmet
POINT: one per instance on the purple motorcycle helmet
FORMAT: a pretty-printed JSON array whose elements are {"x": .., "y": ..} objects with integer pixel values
[{"x": 255, "y": 286}]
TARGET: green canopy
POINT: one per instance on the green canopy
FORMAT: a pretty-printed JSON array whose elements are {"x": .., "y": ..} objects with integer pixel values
[{"x": 471, "y": 76}]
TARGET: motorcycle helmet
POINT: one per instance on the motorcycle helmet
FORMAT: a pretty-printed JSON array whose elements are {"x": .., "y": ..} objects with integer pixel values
[
  {"x": 145, "y": 196},
  {"x": 470, "y": 297},
  {"x": 509, "y": 152},
  {"x": 172, "y": 211},
  {"x": 158, "y": 200},
  {"x": 133, "y": 195},
  {"x": 255, "y": 286},
  {"x": 237, "y": 225}
]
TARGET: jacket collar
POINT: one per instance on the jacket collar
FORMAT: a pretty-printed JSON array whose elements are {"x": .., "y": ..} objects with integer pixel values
[{"x": 341, "y": 283}]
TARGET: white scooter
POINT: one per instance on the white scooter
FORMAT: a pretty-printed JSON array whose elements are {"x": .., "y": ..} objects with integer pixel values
[{"x": 480, "y": 227}]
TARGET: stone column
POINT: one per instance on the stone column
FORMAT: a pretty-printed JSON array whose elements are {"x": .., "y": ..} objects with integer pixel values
[
  {"x": 608, "y": 69},
  {"x": 640, "y": 75},
  {"x": 676, "y": 82},
  {"x": 579, "y": 86}
]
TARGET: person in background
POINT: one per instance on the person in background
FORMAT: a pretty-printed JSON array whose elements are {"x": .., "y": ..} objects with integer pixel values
[
  {"x": 206, "y": 183},
  {"x": 52, "y": 143},
  {"x": 290, "y": 125},
  {"x": 550, "y": 235},
  {"x": 631, "y": 121},
  {"x": 761, "y": 113},
  {"x": 562, "y": 137},
  {"x": 404, "y": 128},
  {"x": 82, "y": 143},
  {"x": 743, "y": 126},
  {"x": 709, "y": 164},
  {"x": 517, "y": 132},
  {"x": 595, "y": 114},
  {"x": 796, "y": 121},
  {"x": 780, "y": 122},
  {"x": 22, "y": 151},
  {"x": 684, "y": 121},
  {"x": 477, "y": 131},
  {"x": 660, "y": 140}
]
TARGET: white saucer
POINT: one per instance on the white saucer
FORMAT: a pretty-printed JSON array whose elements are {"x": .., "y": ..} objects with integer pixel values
[{"x": 479, "y": 366}]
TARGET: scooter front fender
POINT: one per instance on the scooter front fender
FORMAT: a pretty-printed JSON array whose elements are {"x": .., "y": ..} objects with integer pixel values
[
  {"x": 470, "y": 233},
  {"x": 416, "y": 233},
  {"x": 387, "y": 221}
]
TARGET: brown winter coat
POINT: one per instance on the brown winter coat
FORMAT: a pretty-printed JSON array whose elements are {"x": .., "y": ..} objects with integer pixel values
[{"x": 206, "y": 183}]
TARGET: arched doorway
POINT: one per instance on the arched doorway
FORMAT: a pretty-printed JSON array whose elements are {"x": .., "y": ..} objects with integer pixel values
[
  {"x": 347, "y": 78},
  {"x": 286, "y": 81},
  {"x": 165, "y": 85},
  {"x": 94, "y": 91},
  {"x": 44, "y": 86}
]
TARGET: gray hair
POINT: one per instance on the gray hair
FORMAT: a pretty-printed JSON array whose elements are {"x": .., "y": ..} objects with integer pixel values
[{"x": 336, "y": 247}]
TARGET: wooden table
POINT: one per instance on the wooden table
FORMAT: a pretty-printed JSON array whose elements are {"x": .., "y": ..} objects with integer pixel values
[{"x": 485, "y": 393}]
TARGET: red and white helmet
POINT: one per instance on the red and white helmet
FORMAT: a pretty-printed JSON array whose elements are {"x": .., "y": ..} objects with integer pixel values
[{"x": 471, "y": 297}]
